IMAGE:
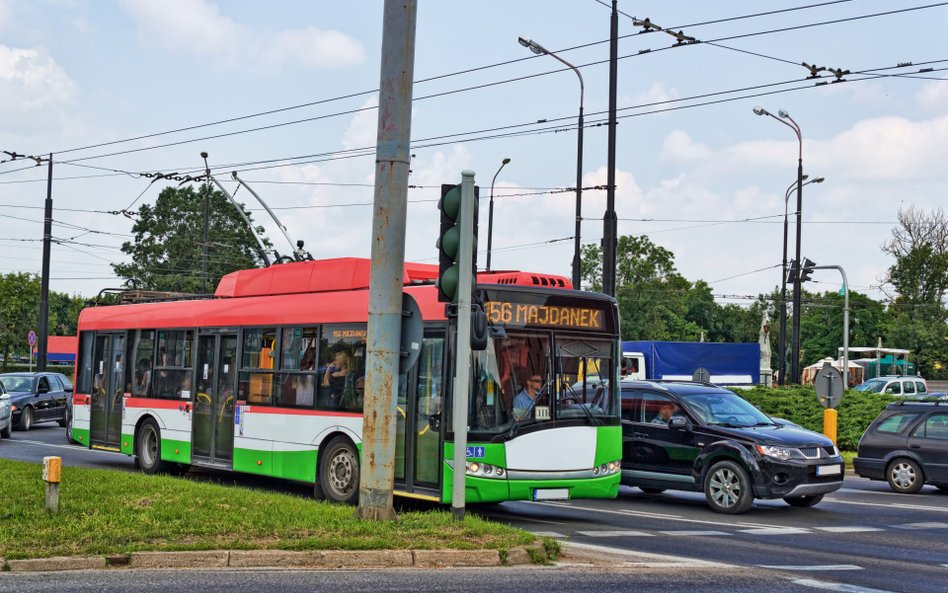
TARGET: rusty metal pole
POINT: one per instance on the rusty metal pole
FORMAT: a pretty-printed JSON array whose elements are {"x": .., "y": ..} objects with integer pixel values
[{"x": 392, "y": 155}]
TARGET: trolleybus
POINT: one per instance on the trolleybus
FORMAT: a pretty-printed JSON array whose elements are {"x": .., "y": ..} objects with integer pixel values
[{"x": 266, "y": 377}]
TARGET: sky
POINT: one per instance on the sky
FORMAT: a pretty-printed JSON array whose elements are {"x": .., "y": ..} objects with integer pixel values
[{"x": 284, "y": 93}]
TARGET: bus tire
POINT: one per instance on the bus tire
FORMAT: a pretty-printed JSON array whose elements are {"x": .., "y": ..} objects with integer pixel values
[
  {"x": 148, "y": 448},
  {"x": 338, "y": 472}
]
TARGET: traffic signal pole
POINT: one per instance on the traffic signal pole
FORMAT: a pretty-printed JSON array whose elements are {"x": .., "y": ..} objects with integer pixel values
[
  {"x": 462, "y": 370},
  {"x": 392, "y": 158}
]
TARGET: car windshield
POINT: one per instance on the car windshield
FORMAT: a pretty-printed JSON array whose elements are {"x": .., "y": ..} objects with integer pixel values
[
  {"x": 871, "y": 386},
  {"x": 17, "y": 383},
  {"x": 725, "y": 409}
]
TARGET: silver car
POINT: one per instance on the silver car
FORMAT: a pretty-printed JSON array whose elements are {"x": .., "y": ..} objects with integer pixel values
[{"x": 6, "y": 415}]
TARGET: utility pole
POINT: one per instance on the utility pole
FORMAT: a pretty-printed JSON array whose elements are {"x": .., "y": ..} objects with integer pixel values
[
  {"x": 609, "y": 221},
  {"x": 207, "y": 215},
  {"x": 386, "y": 274},
  {"x": 43, "y": 330}
]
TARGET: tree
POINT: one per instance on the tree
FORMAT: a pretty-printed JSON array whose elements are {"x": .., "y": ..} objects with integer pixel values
[
  {"x": 19, "y": 309},
  {"x": 919, "y": 276},
  {"x": 167, "y": 249}
]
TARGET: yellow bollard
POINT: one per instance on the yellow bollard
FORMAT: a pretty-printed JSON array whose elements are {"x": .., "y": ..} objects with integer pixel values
[
  {"x": 829, "y": 423},
  {"x": 52, "y": 474}
]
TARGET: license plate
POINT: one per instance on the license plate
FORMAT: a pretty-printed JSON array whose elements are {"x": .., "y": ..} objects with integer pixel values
[
  {"x": 551, "y": 494},
  {"x": 828, "y": 470}
]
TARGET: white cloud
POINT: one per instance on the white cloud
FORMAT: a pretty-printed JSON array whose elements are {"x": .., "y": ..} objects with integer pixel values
[
  {"x": 657, "y": 92},
  {"x": 933, "y": 96},
  {"x": 678, "y": 147},
  {"x": 199, "y": 28},
  {"x": 31, "y": 82}
]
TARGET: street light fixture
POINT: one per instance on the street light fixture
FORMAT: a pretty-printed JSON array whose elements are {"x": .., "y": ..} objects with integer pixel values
[
  {"x": 782, "y": 361},
  {"x": 795, "y": 346},
  {"x": 539, "y": 50},
  {"x": 490, "y": 211}
]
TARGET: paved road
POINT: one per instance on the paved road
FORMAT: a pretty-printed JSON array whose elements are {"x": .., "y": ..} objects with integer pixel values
[{"x": 861, "y": 539}]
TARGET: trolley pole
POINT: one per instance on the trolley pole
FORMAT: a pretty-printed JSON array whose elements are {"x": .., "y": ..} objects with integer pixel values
[
  {"x": 392, "y": 156},
  {"x": 462, "y": 370}
]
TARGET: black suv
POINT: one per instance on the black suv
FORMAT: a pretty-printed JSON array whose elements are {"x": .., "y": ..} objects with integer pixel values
[
  {"x": 907, "y": 445},
  {"x": 700, "y": 437}
]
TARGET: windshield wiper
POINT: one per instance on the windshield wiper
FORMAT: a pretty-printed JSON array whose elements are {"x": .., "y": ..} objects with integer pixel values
[
  {"x": 582, "y": 404},
  {"x": 727, "y": 425}
]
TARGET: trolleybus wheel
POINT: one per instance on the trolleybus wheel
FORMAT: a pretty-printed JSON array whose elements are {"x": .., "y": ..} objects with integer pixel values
[
  {"x": 338, "y": 478},
  {"x": 148, "y": 448}
]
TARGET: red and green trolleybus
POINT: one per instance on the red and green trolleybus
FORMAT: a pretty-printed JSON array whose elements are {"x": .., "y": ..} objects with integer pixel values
[{"x": 266, "y": 377}]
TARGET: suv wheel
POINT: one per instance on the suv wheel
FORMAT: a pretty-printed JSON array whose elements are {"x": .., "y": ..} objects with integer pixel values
[
  {"x": 803, "y": 501},
  {"x": 727, "y": 488},
  {"x": 905, "y": 476}
]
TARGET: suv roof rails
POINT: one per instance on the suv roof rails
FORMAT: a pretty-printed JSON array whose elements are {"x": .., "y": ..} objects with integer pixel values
[
  {"x": 674, "y": 382},
  {"x": 919, "y": 402}
]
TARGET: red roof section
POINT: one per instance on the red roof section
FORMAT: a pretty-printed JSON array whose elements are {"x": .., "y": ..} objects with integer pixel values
[{"x": 62, "y": 344}]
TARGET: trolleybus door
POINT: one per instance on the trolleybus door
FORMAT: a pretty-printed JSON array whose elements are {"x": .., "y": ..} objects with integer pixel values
[
  {"x": 419, "y": 446},
  {"x": 108, "y": 388},
  {"x": 212, "y": 430}
]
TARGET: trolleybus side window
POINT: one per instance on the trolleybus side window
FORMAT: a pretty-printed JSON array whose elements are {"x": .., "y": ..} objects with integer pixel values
[
  {"x": 85, "y": 372},
  {"x": 342, "y": 367},
  {"x": 141, "y": 361},
  {"x": 257, "y": 366},
  {"x": 298, "y": 378},
  {"x": 173, "y": 369}
]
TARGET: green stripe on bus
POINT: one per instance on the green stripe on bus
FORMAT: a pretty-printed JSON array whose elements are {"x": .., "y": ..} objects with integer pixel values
[
  {"x": 608, "y": 444},
  {"x": 173, "y": 450},
  {"x": 291, "y": 465}
]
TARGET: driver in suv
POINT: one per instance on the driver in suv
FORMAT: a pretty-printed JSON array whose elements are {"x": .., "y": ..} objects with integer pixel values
[{"x": 700, "y": 437}]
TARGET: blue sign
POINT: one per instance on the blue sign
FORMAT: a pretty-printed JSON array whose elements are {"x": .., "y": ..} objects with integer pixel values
[
  {"x": 475, "y": 452},
  {"x": 31, "y": 338}
]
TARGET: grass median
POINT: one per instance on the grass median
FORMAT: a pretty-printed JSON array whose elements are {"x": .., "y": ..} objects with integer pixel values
[{"x": 105, "y": 512}]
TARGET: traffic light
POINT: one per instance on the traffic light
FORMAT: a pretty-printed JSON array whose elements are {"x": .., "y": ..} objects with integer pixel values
[
  {"x": 449, "y": 241},
  {"x": 792, "y": 272},
  {"x": 807, "y": 270}
]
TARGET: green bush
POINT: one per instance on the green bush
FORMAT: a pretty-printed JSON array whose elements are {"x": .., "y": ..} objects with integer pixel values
[{"x": 799, "y": 404}]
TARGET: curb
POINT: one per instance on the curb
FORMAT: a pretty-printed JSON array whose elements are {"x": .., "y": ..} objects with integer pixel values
[{"x": 313, "y": 559}]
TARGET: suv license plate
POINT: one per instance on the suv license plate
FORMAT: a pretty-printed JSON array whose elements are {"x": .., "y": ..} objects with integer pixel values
[
  {"x": 551, "y": 494},
  {"x": 828, "y": 470}
]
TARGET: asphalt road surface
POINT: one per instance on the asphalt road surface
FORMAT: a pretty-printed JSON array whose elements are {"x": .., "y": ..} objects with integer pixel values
[{"x": 861, "y": 539}]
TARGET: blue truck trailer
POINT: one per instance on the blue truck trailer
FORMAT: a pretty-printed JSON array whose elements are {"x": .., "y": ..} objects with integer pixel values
[{"x": 726, "y": 363}]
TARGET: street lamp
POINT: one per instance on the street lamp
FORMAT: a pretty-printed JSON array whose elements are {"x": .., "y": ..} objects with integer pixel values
[
  {"x": 795, "y": 346},
  {"x": 782, "y": 362},
  {"x": 539, "y": 49},
  {"x": 490, "y": 211}
]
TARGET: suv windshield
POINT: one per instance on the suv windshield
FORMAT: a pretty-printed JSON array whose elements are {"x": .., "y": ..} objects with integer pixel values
[
  {"x": 724, "y": 409},
  {"x": 517, "y": 381}
]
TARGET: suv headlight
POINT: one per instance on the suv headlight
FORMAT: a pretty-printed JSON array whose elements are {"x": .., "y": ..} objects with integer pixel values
[{"x": 781, "y": 453}]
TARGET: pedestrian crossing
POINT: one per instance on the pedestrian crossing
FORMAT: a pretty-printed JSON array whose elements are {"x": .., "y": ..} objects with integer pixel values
[{"x": 756, "y": 531}]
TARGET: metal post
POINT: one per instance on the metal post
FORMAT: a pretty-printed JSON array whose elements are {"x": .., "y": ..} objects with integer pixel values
[
  {"x": 609, "y": 221},
  {"x": 462, "y": 368},
  {"x": 392, "y": 160},
  {"x": 490, "y": 212},
  {"x": 43, "y": 329},
  {"x": 845, "y": 320},
  {"x": 797, "y": 308},
  {"x": 782, "y": 363}
]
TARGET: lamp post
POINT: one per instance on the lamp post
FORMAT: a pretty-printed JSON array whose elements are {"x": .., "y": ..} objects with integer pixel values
[
  {"x": 490, "y": 211},
  {"x": 795, "y": 345},
  {"x": 782, "y": 362},
  {"x": 539, "y": 49}
]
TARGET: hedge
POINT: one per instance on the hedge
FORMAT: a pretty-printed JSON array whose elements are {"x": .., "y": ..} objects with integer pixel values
[{"x": 799, "y": 404}]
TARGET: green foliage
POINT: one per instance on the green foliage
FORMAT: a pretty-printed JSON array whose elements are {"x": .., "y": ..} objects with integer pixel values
[
  {"x": 799, "y": 405},
  {"x": 105, "y": 512},
  {"x": 168, "y": 246},
  {"x": 19, "y": 313}
]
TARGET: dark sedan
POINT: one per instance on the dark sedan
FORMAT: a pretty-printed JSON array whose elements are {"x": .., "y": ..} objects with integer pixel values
[
  {"x": 37, "y": 397},
  {"x": 907, "y": 446}
]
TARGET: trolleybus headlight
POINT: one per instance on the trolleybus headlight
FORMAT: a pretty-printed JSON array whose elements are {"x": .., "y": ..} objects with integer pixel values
[
  {"x": 500, "y": 472},
  {"x": 474, "y": 467},
  {"x": 596, "y": 471},
  {"x": 612, "y": 467},
  {"x": 488, "y": 469}
]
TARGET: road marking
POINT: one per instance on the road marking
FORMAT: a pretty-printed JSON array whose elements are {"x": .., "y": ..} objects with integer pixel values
[
  {"x": 837, "y": 586},
  {"x": 642, "y": 558},
  {"x": 691, "y": 532},
  {"x": 890, "y": 505},
  {"x": 649, "y": 515},
  {"x": 811, "y": 567},
  {"x": 548, "y": 534},
  {"x": 848, "y": 529},
  {"x": 776, "y": 531},
  {"x": 930, "y": 525},
  {"x": 858, "y": 491},
  {"x": 615, "y": 533}
]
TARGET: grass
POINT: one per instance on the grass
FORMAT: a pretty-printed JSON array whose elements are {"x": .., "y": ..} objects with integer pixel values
[{"x": 106, "y": 512}]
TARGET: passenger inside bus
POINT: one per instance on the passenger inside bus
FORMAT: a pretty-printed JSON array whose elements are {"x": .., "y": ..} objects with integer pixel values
[{"x": 335, "y": 377}]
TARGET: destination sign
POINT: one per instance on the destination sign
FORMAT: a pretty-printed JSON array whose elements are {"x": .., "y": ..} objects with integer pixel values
[
  {"x": 544, "y": 315},
  {"x": 348, "y": 333}
]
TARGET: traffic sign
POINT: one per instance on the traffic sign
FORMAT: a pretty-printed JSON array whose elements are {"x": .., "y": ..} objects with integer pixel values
[
  {"x": 829, "y": 387},
  {"x": 31, "y": 338},
  {"x": 701, "y": 375}
]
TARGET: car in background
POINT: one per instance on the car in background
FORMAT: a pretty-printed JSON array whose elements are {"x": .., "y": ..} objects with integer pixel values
[
  {"x": 37, "y": 397},
  {"x": 704, "y": 438},
  {"x": 901, "y": 385},
  {"x": 907, "y": 446},
  {"x": 6, "y": 414}
]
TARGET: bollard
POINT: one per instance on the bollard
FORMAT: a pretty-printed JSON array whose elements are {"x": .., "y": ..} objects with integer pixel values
[
  {"x": 829, "y": 423},
  {"x": 52, "y": 474}
]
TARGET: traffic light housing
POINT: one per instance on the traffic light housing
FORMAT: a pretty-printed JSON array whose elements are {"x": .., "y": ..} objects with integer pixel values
[
  {"x": 807, "y": 270},
  {"x": 792, "y": 272},
  {"x": 449, "y": 241}
]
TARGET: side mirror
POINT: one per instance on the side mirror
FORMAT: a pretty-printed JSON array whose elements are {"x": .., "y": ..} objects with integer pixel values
[
  {"x": 4, "y": 397},
  {"x": 434, "y": 421},
  {"x": 68, "y": 388},
  {"x": 679, "y": 422}
]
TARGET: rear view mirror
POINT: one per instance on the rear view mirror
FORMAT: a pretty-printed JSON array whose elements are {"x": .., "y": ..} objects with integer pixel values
[
  {"x": 68, "y": 388},
  {"x": 679, "y": 422}
]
